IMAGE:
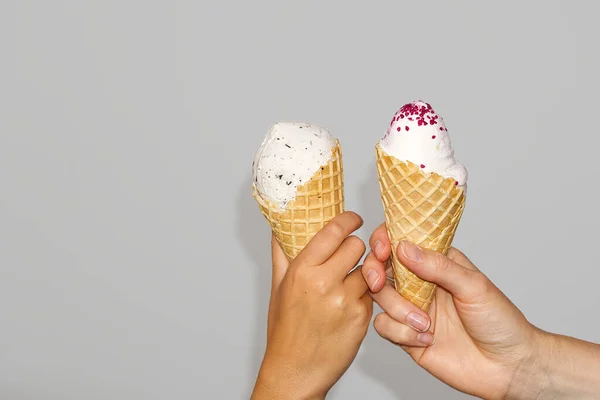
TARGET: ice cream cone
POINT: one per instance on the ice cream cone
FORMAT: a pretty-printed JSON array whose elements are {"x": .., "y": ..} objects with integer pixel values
[
  {"x": 422, "y": 207},
  {"x": 316, "y": 203}
]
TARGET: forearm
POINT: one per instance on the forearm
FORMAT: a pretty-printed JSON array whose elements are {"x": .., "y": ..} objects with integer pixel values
[
  {"x": 279, "y": 382},
  {"x": 561, "y": 368},
  {"x": 574, "y": 370}
]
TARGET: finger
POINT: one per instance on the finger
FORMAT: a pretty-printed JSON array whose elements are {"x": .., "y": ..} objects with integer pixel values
[
  {"x": 280, "y": 264},
  {"x": 355, "y": 285},
  {"x": 325, "y": 243},
  {"x": 402, "y": 310},
  {"x": 439, "y": 269},
  {"x": 400, "y": 334},
  {"x": 380, "y": 243},
  {"x": 346, "y": 257},
  {"x": 458, "y": 257},
  {"x": 373, "y": 272}
]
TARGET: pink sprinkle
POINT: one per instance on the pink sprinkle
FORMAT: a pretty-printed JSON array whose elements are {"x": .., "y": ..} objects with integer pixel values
[
  {"x": 398, "y": 129},
  {"x": 433, "y": 137},
  {"x": 441, "y": 128},
  {"x": 407, "y": 128},
  {"x": 422, "y": 165},
  {"x": 456, "y": 184}
]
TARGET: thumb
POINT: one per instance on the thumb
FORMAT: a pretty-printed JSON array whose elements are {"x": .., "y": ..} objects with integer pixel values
[
  {"x": 463, "y": 283},
  {"x": 280, "y": 264}
]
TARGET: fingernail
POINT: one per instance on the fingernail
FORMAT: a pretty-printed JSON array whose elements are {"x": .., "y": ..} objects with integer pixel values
[
  {"x": 418, "y": 321},
  {"x": 411, "y": 251},
  {"x": 426, "y": 338},
  {"x": 378, "y": 249},
  {"x": 372, "y": 279}
]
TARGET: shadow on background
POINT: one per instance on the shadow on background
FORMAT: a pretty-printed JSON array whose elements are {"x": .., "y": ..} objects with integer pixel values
[
  {"x": 380, "y": 359},
  {"x": 254, "y": 233}
]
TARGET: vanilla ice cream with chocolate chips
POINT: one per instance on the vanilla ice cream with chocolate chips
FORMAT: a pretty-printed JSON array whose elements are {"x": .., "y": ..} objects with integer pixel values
[{"x": 290, "y": 154}]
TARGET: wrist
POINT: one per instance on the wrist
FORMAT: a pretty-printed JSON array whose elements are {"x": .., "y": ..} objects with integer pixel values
[
  {"x": 281, "y": 380},
  {"x": 530, "y": 379},
  {"x": 560, "y": 367}
]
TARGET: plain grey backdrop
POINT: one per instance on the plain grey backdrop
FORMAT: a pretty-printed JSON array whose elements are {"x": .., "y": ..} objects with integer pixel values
[{"x": 134, "y": 263}]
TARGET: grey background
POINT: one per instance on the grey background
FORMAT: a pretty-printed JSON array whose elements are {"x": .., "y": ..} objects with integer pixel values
[{"x": 134, "y": 263}]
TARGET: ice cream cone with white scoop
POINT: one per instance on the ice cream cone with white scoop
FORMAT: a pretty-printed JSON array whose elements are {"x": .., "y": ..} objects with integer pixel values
[
  {"x": 423, "y": 190},
  {"x": 298, "y": 182}
]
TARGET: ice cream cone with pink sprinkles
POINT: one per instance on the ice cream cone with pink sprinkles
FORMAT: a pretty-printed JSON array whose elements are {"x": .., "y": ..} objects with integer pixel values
[{"x": 423, "y": 190}]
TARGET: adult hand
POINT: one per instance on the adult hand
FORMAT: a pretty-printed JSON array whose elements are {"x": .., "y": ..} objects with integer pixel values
[
  {"x": 483, "y": 343},
  {"x": 319, "y": 314}
]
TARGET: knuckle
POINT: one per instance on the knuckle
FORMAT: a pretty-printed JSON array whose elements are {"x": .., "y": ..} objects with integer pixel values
[
  {"x": 307, "y": 280},
  {"x": 460, "y": 258},
  {"x": 481, "y": 284},
  {"x": 397, "y": 311},
  {"x": 335, "y": 229},
  {"x": 320, "y": 286},
  {"x": 479, "y": 287},
  {"x": 362, "y": 314},
  {"x": 441, "y": 263},
  {"x": 356, "y": 245},
  {"x": 357, "y": 312},
  {"x": 338, "y": 302}
]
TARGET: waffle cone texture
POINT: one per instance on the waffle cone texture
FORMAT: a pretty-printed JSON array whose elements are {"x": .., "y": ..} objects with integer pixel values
[
  {"x": 422, "y": 207},
  {"x": 316, "y": 203}
]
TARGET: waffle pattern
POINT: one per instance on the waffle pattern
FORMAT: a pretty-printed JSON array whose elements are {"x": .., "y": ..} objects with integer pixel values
[
  {"x": 317, "y": 202},
  {"x": 423, "y": 208}
]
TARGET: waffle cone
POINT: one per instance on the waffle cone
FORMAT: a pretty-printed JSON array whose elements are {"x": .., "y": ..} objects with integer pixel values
[
  {"x": 316, "y": 203},
  {"x": 423, "y": 208}
]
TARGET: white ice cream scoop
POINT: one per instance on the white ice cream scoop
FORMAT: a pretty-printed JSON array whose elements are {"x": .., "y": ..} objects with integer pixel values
[
  {"x": 418, "y": 134},
  {"x": 290, "y": 154}
]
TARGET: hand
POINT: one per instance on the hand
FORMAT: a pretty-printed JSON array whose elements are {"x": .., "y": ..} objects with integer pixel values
[
  {"x": 318, "y": 314},
  {"x": 482, "y": 341}
]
